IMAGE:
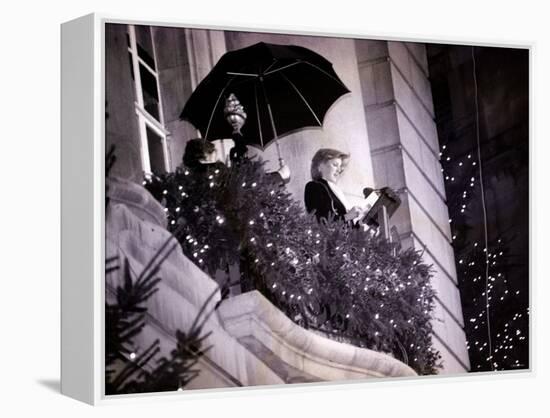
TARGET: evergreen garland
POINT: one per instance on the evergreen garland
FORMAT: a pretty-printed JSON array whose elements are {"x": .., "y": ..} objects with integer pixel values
[
  {"x": 129, "y": 368},
  {"x": 327, "y": 277}
]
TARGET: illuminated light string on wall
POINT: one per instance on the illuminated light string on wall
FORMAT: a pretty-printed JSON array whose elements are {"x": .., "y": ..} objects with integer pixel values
[
  {"x": 472, "y": 180},
  {"x": 509, "y": 335},
  {"x": 483, "y": 203}
]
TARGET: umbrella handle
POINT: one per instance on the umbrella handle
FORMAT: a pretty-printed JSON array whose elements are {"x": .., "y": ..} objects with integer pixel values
[{"x": 281, "y": 161}]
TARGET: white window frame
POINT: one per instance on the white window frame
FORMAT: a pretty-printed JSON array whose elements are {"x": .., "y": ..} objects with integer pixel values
[{"x": 145, "y": 119}]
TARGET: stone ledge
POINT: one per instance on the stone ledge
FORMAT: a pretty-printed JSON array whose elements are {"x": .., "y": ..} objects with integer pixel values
[
  {"x": 140, "y": 202},
  {"x": 252, "y": 316}
]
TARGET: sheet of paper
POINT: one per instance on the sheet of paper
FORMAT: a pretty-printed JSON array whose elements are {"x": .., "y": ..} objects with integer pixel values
[
  {"x": 370, "y": 200},
  {"x": 366, "y": 205}
]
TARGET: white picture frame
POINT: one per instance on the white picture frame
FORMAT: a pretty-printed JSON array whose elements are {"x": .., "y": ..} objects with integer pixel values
[{"x": 83, "y": 185}]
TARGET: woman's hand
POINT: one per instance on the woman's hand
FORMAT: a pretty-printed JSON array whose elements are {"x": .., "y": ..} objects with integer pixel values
[
  {"x": 353, "y": 213},
  {"x": 284, "y": 171}
]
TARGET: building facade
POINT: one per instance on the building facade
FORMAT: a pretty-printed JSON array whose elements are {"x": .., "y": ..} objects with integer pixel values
[{"x": 386, "y": 123}]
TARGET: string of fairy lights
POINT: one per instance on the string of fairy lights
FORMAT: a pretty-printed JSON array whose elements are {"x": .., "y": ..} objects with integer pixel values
[
  {"x": 497, "y": 347},
  {"x": 493, "y": 345},
  {"x": 495, "y": 340},
  {"x": 273, "y": 245},
  {"x": 484, "y": 206}
]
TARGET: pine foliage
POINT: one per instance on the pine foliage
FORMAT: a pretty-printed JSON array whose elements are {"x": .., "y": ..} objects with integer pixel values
[{"x": 340, "y": 281}]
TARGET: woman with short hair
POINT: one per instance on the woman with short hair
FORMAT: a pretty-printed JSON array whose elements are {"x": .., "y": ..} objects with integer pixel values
[{"x": 322, "y": 195}]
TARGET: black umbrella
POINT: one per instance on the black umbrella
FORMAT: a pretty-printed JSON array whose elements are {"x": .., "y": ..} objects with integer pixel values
[{"x": 282, "y": 88}]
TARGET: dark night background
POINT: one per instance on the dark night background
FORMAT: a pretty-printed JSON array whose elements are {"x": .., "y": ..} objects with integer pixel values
[{"x": 502, "y": 92}]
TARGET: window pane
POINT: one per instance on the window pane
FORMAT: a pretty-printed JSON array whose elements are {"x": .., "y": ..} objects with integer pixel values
[
  {"x": 156, "y": 152},
  {"x": 145, "y": 45},
  {"x": 131, "y": 64},
  {"x": 150, "y": 92}
]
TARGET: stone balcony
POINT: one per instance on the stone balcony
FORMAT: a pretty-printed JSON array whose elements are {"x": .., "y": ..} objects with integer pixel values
[{"x": 252, "y": 342}]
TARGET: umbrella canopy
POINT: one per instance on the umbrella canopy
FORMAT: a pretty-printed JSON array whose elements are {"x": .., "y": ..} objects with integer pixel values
[{"x": 282, "y": 88}]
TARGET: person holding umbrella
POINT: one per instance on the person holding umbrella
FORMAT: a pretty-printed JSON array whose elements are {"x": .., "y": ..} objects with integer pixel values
[{"x": 200, "y": 155}]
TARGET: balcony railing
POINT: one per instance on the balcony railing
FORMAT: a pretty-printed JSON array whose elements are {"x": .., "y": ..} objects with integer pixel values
[{"x": 253, "y": 342}]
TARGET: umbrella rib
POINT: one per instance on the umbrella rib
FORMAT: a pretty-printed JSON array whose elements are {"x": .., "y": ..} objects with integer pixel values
[
  {"x": 245, "y": 74},
  {"x": 271, "y": 65},
  {"x": 215, "y": 106},
  {"x": 327, "y": 74},
  {"x": 258, "y": 115},
  {"x": 282, "y": 68},
  {"x": 303, "y": 99}
]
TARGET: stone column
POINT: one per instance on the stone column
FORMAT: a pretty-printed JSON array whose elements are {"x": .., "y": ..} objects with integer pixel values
[{"x": 405, "y": 156}]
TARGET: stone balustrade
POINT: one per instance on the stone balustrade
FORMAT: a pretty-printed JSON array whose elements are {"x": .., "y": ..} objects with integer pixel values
[{"x": 252, "y": 342}]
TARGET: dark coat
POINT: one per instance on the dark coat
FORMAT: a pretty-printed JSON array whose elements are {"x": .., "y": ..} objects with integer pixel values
[{"x": 320, "y": 198}]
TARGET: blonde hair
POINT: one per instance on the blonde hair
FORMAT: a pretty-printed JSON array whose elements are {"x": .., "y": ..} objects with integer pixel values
[{"x": 324, "y": 155}]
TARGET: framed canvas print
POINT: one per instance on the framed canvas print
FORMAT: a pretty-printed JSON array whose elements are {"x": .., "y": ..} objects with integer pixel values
[{"x": 245, "y": 208}]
